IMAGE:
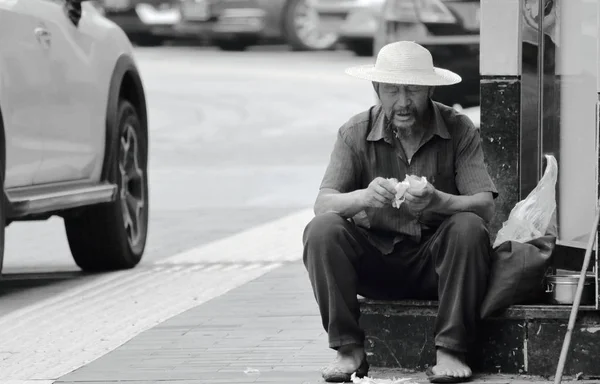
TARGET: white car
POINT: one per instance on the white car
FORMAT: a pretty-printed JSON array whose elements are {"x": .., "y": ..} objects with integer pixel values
[{"x": 73, "y": 129}]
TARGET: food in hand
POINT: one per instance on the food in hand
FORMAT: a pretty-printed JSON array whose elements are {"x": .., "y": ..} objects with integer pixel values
[
  {"x": 410, "y": 181},
  {"x": 416, "y": 182}
]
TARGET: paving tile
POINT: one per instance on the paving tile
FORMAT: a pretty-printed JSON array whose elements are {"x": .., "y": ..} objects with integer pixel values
[
  {"x": 255, "y": 326},
  {"x": 270, "y": 324}
]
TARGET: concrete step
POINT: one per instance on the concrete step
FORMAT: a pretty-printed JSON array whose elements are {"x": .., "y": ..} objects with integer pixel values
[{"x": 524, "y": 339}]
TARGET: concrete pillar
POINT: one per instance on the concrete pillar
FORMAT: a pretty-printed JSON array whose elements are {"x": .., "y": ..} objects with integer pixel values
[{"x": 500, "y": 69}]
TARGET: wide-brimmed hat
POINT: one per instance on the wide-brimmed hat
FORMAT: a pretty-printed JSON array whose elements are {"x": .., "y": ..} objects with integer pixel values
[{"x": 404, "y": 62}]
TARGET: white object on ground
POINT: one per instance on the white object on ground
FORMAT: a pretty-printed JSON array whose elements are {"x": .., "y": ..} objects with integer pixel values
[
  {"x": 368, "y": 380},
  {"x": 252, "y": 371}
]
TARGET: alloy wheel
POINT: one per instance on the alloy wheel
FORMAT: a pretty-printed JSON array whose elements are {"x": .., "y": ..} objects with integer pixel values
[
  {"x": 132, "y": 192},
  {"x": 306, "y": 24}
]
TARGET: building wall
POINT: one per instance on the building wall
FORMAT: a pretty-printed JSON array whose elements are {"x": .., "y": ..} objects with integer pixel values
[
  {"x": 539, "y": 90},
  {"x": 500, "y": 71}
]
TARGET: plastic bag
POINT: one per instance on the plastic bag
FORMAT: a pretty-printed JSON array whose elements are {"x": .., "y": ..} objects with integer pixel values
[{"x": 529, "y": 219}]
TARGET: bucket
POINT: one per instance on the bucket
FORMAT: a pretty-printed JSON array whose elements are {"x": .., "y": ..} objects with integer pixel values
[{"x": 561, "y": 289}]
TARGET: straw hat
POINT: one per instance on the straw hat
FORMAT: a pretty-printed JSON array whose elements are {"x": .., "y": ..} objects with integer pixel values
[{"x": 404, "y": 62}]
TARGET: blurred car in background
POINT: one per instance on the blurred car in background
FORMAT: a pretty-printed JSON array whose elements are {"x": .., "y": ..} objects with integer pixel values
[
  {"x": 449, "y": 29},
  {"x": 354, "y": 21},
  {"x": 238, "y": 24},
  {"x": 146, "y": 22}
]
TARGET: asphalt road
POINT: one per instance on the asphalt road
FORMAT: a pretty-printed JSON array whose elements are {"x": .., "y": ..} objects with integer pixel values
[{"x": 236, "y": 139}]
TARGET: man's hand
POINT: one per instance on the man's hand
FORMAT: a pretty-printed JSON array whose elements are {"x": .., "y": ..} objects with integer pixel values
[
  {"x": 378, "y": 194},
  {"x": 418, "y": 200}
]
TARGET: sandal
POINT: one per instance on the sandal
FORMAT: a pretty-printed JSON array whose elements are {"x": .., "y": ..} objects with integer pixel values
[{"x": 332, "y": 374}]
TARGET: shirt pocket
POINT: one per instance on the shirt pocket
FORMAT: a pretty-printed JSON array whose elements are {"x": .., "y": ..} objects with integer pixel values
[{"x": 444, "y": 176}]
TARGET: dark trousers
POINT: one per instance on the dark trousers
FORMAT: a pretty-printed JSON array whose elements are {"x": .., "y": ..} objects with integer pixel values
[{"x": 451, "y": 265}]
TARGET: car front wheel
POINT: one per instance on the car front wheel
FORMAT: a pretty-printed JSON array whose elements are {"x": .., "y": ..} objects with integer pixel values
[
  {"x": 301, "y": 23},
  {"x": 112, "y": 236}
]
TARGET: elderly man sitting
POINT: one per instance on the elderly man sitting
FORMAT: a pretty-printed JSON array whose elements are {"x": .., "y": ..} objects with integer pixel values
[{"x": 436, "y": 245}]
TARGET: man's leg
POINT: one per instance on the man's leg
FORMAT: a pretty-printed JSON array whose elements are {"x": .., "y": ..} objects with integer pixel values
[
  {"x": 332, "y": 251},
  {"x": 460, "y": 254}
]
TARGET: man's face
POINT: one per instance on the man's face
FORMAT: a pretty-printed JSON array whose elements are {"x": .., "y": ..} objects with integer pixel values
[{"x": 404, "y": 105}]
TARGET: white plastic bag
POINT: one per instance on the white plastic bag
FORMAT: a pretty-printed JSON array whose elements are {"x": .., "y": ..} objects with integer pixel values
[{"x": 529, "y": 219}]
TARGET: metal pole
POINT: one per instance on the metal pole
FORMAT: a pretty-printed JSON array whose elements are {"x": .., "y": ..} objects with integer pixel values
[
  {"x": 586, "y": 262},
  {"x": 541, "y": 80}
]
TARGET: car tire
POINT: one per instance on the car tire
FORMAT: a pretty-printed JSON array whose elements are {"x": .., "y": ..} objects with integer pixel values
[
  {"x": 146, "y": 40},
  {"x": 298, "y": 20},
  {"x": 234, "y": 45},
  {"x": 113, "y": 236},
  {"x": 3, "y": 199},
  {"x": 362, "y": 49}
]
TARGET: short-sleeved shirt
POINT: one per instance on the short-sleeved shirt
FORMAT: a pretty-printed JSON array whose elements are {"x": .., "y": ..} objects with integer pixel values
[{"x": 450, "y": 157}]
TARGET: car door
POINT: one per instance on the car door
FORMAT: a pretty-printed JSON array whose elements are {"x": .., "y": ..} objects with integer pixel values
[
  {"x": 24, "y": 83},
  {"x": 77, "y": 123}
]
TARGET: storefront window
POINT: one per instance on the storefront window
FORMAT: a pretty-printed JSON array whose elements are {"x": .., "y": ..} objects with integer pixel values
[{"x": 560, "y": 76}]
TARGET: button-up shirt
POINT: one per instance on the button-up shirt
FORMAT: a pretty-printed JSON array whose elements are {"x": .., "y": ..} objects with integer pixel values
[{"x": 449, "y": 156}]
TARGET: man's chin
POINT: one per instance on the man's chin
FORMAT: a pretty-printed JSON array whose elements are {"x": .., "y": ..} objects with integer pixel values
[{"x": 404, "y": 125}]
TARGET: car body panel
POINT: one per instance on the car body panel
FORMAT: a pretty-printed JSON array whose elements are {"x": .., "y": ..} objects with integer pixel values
[
  {"x": 72, "y": 129},
  {"x": 73, "y": 95},
  {"x": 24, "y": 81}
]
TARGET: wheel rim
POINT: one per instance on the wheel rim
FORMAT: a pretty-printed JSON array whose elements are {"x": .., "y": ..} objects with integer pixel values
[
  {"x": 306, "y": 24},
  {"x": 132, "y": 193}
]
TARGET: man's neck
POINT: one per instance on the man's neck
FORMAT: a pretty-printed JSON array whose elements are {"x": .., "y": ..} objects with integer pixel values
[{"x": 409, "y": 135}]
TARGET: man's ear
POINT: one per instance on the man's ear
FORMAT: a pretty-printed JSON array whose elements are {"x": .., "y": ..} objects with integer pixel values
[{"x": 376, "y": 87}]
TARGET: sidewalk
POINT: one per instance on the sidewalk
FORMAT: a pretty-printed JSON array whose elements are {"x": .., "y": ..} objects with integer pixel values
[
  {"x": 268, "y": 328},
  {"x": 271, "y": 324}
]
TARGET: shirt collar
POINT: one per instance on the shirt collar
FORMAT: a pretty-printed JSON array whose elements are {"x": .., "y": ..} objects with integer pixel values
[{"x": 437, "y": 125}]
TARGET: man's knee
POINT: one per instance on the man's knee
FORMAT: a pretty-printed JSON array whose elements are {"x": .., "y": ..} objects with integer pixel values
[
  {"x": 468, "y": 225},
  {"x": 323, "y": 228},
  {"x": 468, "y": 234}
]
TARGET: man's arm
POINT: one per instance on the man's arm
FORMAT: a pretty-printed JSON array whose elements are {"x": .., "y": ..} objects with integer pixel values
[
  {"x": 339, "y": 191},
  {"x": 482, "y": 204},
  {"x": 345, "y": 204},
  {"x": 379, "y": 193},
  {"x": 476, "y": 189}
]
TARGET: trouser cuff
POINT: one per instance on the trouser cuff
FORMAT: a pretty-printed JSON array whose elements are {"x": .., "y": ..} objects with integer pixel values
[
  {"x": 451, "y": 345},
  {"x": 337, "y": 343}
]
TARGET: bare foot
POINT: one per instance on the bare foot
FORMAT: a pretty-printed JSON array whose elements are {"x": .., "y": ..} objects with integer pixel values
[
  {"x": 450, "y": 363},
  {"x": 348, "y": 358}
]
